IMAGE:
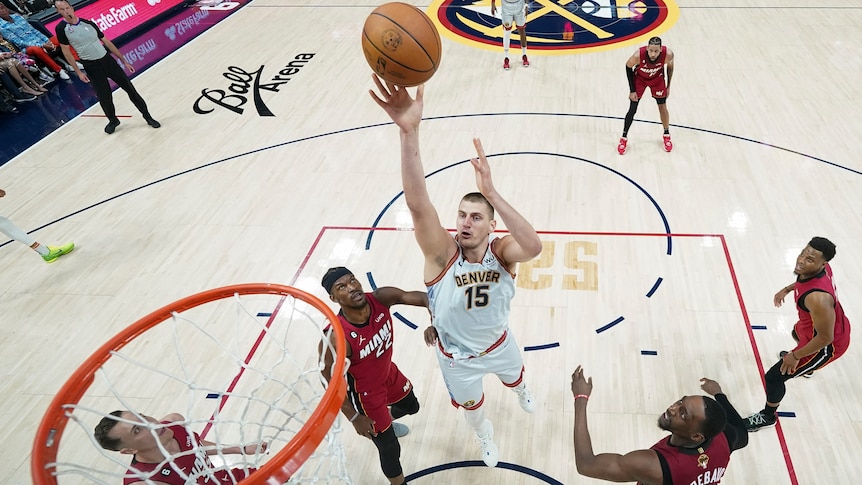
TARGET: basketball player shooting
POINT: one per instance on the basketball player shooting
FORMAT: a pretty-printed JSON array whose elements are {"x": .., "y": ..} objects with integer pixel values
[{"x": 470, "y": 277}]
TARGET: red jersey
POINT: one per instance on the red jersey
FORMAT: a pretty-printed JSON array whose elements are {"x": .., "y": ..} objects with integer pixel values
[
  {"x": 370, "y": 346},
  {"x": 650, "y": 70},
  {"x": 694, "y": 466},
  {"x": 193, "y": 464},
  {"x": 805, "y": 326}
]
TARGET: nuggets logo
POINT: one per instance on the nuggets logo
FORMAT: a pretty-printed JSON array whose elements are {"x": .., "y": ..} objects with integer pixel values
[{"x": 557, "y": 26}]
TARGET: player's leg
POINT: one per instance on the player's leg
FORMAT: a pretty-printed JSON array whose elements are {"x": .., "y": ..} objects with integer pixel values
[
  {"x": 507, "y": 16},
  {"x": 463, "y": 379},
  {"x": 521, "y": 23},
  {"x": 508, "y": 365},
  {"x": 48, "y": 253},
  {"x": 776, "y": 388},
  {"x": 665, "y": 122},
  {"x": 640, "y": 88},
  {"x": 389, "y": 451},
  {"x": 401, "y": 399}
]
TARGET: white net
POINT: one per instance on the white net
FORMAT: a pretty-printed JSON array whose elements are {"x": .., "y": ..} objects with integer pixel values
[{"x": 241, "y": 371}]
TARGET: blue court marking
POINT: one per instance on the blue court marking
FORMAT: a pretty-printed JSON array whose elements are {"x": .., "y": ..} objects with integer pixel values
[
  {"x": 213, "y": 395},
  {"x": 654, "y": 287},
  {"x": 649, "y": 352},
  {"x": 264, "y": 314},
  {"x": 602, "y": 329},
  {"x": 758, "y": 327},
  {"x": 480, "y": 464},
  {"x": 649, "y": 196},
  {"x": 541, "y": 347},
  {"x": 432, "y": 118},
  {"x": 785, "y": 414}
]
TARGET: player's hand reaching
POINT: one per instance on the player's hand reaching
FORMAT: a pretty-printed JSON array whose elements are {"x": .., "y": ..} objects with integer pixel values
[
  {"x": 430, "y": 336},
  {"x": 778, "y": 299},
  {"x": 364, "y": 426},
  {"x": 709, "y": 386},
  {"x": 405, "y": 111},
  {"x": 483, "y": 169},
  {"x": 580, "y": 385}
]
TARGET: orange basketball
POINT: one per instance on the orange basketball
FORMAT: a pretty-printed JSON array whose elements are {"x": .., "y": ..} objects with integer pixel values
[{"x": 401, "y": 44}]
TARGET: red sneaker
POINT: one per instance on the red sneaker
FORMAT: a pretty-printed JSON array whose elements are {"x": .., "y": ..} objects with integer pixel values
[
  {"x": 506, "y": 63},
  {"x": 668, "y": 146},
  {"x": 524, "y": 59},
  {"x": 621, "y": 148}
]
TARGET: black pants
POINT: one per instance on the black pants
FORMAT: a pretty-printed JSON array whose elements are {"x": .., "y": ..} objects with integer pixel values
[{"x": 99, "y": 72}]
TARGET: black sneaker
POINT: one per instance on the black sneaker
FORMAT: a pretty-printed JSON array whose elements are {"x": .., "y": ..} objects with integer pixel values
[
  {"x": 24, "y": 98},
  {"x": 154, "y": 123},
  {"x": 111, "y": 126},
  {"x": 759, "y": 420}
]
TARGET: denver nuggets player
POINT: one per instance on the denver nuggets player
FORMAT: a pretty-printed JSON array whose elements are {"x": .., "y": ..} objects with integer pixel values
[{"x": 470, "y": 277}]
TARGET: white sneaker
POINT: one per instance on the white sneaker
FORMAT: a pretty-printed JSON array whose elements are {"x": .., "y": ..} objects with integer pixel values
[
  {"x": 525, "y": 399},
  {"x": 69, "y": 68},
  {"x": 401, "y": 430},
  {"x": 63, "y": 75},
  {"x": 490, "y": 453},
  {"x": 45, "y": 77}
]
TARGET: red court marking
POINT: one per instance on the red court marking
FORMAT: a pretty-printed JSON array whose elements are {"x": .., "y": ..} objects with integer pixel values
[{"x": 781, "y": 439}]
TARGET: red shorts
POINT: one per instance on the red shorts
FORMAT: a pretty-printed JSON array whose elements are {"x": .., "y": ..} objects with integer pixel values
[
  {"x": 656, "y": 86},
  {"x": 374, "y": 400}
]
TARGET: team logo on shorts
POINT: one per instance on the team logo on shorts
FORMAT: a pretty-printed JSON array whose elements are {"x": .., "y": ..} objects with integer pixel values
[
  {"x": 557, "y": 26},
  {"x": 469, "y": 404}
]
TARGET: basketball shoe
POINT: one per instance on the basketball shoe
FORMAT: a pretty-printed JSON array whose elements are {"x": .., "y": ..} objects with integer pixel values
[
  {"x": 526, "y": 400},
  {"x": 401, "y": 430},
  {"x": 621, "y": 148},
  {"x": 668, "y": 146},
  {"x": 506, "y": 63},
  {"x": 525, "y": 61},
  {"x": 490, "y": 453},
  {"x": 54, "y": 252},
  {"x": 759, "y": 420},
  {"x": 807, "y": 375}
]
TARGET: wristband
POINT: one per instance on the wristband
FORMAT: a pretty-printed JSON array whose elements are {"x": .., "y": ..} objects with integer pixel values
[
  {"x": 581, "y": 395},
  {"x": 354, "y": 417}
]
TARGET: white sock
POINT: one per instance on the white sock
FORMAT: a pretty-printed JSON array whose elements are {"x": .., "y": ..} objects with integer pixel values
[
  {"x": 15, "y": 232},
  {"x": 475, "y": 419},
  {"x": 523, "y": 50},
  {"x": 507, "y": 39}
]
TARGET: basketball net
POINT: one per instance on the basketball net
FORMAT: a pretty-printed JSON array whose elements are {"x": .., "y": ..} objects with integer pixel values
[{"x": 241, "y": 365}]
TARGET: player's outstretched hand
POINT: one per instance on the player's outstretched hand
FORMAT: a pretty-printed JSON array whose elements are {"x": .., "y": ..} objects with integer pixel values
[
  {"x": 709, "y": 386},
  {"x": 405, "y": 111}
]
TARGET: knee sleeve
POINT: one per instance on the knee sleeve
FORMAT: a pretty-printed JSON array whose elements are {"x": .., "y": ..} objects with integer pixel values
[
  {"x": 775, "y": 387},
  {"x": 389, "y": 450},
  {"x": 407, "y": 405}
]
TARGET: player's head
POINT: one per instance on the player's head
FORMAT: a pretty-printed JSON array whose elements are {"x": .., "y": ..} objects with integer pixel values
[
  {"x": 654, "y": 48},
  {"x": 343, "y": 287},
  {"x": 694, "y": 418},
  {"x": 116, "y": 435},
  {"x": 814, "y": 257},
  {"x": 475, "y": 220}
]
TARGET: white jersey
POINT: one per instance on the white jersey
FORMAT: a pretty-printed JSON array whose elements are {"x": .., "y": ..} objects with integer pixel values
[{"x": 469, "y": 303}]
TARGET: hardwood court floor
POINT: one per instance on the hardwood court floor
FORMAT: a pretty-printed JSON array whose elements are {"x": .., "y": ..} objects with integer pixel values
[{"x": 765, "y": 123}]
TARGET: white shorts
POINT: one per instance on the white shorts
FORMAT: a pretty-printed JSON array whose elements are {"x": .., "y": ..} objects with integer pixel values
[
  {"x": 463, "y": 377},
  {"x": 513, "y": 12}
]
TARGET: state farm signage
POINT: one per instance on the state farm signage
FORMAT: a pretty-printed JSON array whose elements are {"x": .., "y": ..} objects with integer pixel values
[{"x": 116, "y": 17}]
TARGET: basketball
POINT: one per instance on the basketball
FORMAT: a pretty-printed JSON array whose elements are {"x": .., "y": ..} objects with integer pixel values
[{"x": 401, "y": 44}]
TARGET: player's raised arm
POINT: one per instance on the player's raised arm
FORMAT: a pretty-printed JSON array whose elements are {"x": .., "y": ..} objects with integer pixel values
[{"x": 436, "y": 243}]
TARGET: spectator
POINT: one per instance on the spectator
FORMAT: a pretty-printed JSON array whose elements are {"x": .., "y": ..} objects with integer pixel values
[{"x": 36, "y": 44}]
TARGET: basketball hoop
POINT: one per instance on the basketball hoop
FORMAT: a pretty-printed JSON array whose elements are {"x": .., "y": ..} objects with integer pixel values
[{"x": 249, "y": 375}]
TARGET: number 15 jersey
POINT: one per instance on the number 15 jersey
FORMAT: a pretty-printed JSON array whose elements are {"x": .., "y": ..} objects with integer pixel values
[{"x": 470, "y": 303}]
